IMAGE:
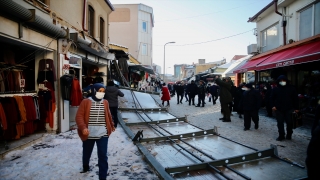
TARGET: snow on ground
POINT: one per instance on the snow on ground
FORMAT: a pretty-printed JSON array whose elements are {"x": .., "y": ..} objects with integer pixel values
[{"x": 59, "y": 157}]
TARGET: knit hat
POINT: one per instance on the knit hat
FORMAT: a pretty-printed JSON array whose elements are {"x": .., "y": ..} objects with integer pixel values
[{"x": 94, "y": 89}]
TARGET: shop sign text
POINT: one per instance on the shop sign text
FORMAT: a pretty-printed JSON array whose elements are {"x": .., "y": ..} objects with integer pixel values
[{"x": 286, "y": 63}]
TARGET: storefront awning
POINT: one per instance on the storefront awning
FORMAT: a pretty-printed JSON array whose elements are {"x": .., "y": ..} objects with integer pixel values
[
  {"x": 145, "y": 68},
  {"x": 296, "y": 55},
  {"x": 251, "y": 64}
]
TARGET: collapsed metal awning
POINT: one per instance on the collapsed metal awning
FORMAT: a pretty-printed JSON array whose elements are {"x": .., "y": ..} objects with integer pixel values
[{"x": 145, "y": 68}]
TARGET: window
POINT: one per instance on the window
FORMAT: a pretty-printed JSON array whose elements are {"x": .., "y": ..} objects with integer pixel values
[
  {"x": 309, "y": 21},
  {"x": 144, "y": 26},
  {"x": 144, "y": 49},
  {"x": 101, "y": 30},
  {"x": 270, "y": 38},
  {"x": 91, "y": 21}
]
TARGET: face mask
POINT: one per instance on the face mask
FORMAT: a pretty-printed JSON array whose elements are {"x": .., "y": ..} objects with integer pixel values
[
  {"x": 99, "y": 95},
  {"x": 245, "y": 89},
  {"x": 265, "y": 88},
  {"x": 282, "y": 83}
]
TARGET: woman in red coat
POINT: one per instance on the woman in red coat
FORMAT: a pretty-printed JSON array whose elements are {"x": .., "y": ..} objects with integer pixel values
[{"x": 165, "y": 94}]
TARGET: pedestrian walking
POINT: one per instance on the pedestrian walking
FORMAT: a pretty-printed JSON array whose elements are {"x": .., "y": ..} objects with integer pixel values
[
  {"x": 179, "y": 90},
  {"x": 111, "y": 95},
  {"x": 185, "y": 92},
  {"x": 284, "y": 101},
  {"x": 95, "y": 125},
  {"x": 250, "y": 104},
  {"x": 225, "y": 98},
  {"x": 192, "y": 91},
  {"x": 214, "y": 91},
  {"x": 237, "y": 99},
  {"x": 165, "y": 94},
  {"x": 201, "y": 94}
]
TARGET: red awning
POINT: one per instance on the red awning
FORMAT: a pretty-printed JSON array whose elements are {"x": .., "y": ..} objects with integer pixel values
[
  {"x": 297, "y": 55},
  {"x": 251, "y": 64}
]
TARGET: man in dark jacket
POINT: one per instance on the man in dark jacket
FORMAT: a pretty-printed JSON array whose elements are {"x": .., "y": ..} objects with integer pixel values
[
  {"x": 313, "y": 151},
  {"x": 185, "y": 91},
  {"x": 179, "y": 89},
  {"x": 201, "y": 93},
  {"x": 250, "y": 103},
  {"x": 111, "y": 95},
  {"x": 213, "y": 90},
  {"x": 284, "y": 101},
  {"x": 192, "y": 91},
  {"x": 225, "y": 98}
]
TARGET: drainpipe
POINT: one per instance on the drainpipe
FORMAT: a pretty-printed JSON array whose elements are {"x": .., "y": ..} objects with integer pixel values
[
  {"x": 84, "y": 16},
  {"x": 284, "y": 22}
]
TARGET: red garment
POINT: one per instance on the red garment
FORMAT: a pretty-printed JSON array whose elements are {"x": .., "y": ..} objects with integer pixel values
[
  {"x": 165, "y": 94},
  {"x": 76, "y": 94},
  {"x": 30, "y": 108},
  {"x": 3, "y": 118}
]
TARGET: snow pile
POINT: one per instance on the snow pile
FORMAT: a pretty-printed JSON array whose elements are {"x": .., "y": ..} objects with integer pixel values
[{"x": 60, "y": 157}]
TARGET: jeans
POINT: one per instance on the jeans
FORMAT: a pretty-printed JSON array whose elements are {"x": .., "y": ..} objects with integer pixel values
[
  {"x": 248, "y": 115},
  {"x": 114, "y": 113},
  {"x": 186, "y": 96},
  {"x": 284, "y": 116},
  {"x": 102, "y": 146}
]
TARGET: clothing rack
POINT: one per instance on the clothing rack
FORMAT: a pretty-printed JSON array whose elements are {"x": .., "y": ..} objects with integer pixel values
[
  {"x": 14, "y": 93},
  {"x": 17, "y": 92}
]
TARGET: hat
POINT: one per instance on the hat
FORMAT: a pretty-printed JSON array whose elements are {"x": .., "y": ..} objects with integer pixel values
[{"x": 282, "y": 77}]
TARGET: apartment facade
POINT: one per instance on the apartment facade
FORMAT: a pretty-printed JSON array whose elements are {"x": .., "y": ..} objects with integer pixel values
[
  {"x": 132, "y": 25},
  {"x": 288, "y": 37}
]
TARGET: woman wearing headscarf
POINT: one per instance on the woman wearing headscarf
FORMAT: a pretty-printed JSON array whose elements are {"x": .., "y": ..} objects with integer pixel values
[
  {"x": 94, "y": 114},
  {"x": 165, "y": 94}
]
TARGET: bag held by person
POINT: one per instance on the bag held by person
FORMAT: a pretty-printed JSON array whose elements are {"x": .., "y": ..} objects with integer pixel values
[{"x": 296, "y": 120}]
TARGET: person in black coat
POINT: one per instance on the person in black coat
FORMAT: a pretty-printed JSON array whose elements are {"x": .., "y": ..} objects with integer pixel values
[
  {"x": 192, "y": 91},
  {"x": 237, "y": 99},
  {"x": 185, "y": 92},
  {"x": 313, "y": 151},
  {"x": 213, "y": 90},
  {"x": 179, "y": 90},
  {"x": 250, "y": 103},
  {"x": 267, "y": 99},
  {"x": 201, "y": 93},
  {"x": 284, "y": 101}
]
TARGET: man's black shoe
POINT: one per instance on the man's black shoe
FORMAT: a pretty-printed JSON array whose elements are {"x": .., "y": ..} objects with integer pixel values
[
  {"x": 226, "y": 120},
  {"x": 288, "y": 137},
  {"x": 256, "y": 126},
  {"x": 222, "y": 118},
  {"x": 280, "y": 138},
  {"x": 245, "y": 129},
  {"x": 197, "y": 106}
]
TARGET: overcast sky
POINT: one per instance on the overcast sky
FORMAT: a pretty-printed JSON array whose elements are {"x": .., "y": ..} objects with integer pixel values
[{"x": 195, "y": 21}]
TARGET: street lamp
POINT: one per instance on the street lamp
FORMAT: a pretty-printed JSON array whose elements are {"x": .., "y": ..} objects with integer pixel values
[{"x": 164, "y": 59}]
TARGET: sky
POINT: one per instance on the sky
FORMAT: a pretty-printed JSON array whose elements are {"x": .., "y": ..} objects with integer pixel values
[
  {"x": 195, "y": 21},
  {"x": 59, "y": 157}
]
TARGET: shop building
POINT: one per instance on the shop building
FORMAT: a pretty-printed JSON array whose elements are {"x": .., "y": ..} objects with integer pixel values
[
  {"x": 288, "y": 41},
  {"x": 42, "y": 41}
]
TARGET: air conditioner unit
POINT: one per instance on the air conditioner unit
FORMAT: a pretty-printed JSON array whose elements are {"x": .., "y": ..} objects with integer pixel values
[
  {"x": 252, "y": 48},
  {"x": 255, "y": 31}
]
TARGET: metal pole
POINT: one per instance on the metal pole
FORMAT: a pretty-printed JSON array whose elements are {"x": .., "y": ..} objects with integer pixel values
[{"x": 164, "y": 59}]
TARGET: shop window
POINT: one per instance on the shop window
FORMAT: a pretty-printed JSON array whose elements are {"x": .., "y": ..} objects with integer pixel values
[
  {"x": 309, "y": 22},
  {"x": 91, "y": 21},
  {"x": 270, "y": 38},
  {"x": 101, "y": 30},
  {"x": 144, "y": 49},
  {"x": 144, "y": 26}
]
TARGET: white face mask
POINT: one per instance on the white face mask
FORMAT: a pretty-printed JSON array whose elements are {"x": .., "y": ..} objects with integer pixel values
[
  {"x": 99, "y": 95},
  {"x": 245, "y": 89},
  {"x": 282, "y": 83},
  {"x": 265, "y": 88}
]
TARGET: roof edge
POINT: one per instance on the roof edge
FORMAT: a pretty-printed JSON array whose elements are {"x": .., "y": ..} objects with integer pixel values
[
  {"x": 251, "y": 19},
  {"x": 109, "y": 4}
]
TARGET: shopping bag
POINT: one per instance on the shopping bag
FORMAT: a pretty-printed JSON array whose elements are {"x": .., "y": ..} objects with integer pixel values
[{"x": 296, "y": 120}]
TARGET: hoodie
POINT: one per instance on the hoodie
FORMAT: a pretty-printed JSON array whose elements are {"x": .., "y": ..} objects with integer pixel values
[{"x": 111, "y": 95}]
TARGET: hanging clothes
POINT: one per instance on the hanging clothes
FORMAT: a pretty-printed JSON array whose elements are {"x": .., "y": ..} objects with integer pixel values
[
  {"x": 46, "y": 76},
  {"x": 2, "y": 87},
  {"x": 11, "y": 110},
  {"x": 3, "y": 118},
  {"x": 22, "y": 109},
  {"x": 76, "y": 94},
  {"x": 43, "y": 114},
  {"x": 48, "y": 65},
  {"x": 65, "y": 86},
  {"x": 31, "y": 114}
]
